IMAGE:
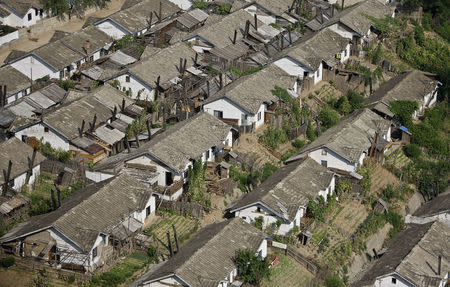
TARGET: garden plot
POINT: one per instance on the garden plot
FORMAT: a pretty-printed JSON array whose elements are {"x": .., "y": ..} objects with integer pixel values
[
  {"x": 380, "y": 177},
  {"x": 349, "y": 215},
  {"x": 185, "y": 226},
  {"x": 289, "y": 273}
]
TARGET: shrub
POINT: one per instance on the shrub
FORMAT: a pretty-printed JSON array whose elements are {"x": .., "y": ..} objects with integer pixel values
[
  {"x": 328, "y": 117},
  {"x": 152, "y": 255},
  {"x": 298, "y": 144},
  {"x": 343, "y": 105},
  {"x": 355, "y": 100},
  {"x": 412, "y": 151},
  {"x": 334, "y": 281},
  {"x": 8, "y": 261},
  {"x": 273, "y": 137},
  {"x": 268, "y": 169},
  {"x": 310, "y": 132},
  {"x": 67, "y": 84},
  {"x": 258, "y": 222},
  {"x": 253, "y": 267}
]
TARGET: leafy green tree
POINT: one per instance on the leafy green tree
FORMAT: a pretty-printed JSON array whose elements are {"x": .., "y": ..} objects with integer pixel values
[
  {"x": 403, "y": 111},
  {"x": 355, "y": 100},
  {"x": 58, "y": 7},
  {"x": 253, "y": 268},
  {"x": 328, "y": 117},
  {"x": 412, "y": 151},
  {"x": 310, "y": 133},
  {"x": 343, "y": 105}
]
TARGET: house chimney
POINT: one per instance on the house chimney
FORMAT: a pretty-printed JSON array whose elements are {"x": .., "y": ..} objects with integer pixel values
[
  {"x": 136, "y": 136},
  {"x": 196, "y": 58},
  {"x": 122, "y": 108},
  {"x": 282, "y": 41},
  {"x": 256, "y": 22},
  {"x": 321, "y": 16},
  {"x": 127, "y": 144},
  {"x": 234, "y": 38},
  {"x": 58, "y": 191},
  {"x": 439, "y": 265},
  {"x": 290, "y": 36},
  {"x": 3, "y": 96},
  {"x": 220, "y": 81},
  {"x": 88, "y": 48},
  {"x": 80, "y": 130},
  {"x": 55, "y": 204},
  {"x": 93, "y": 123},
  {"x": 176, "y": 237},
  {"x": 30, "y": 165},
  {"x": 207, "y": 89},
  {"x": 375, "y": 253},
  {"x": 247, "y": 27},
  {"x": 169, "y": 244},
  {"x": 149, "y": 127},
  {"x": 160, "y": 10},
  {"x": 332, "y": 10},
  {"x": 342, "y": 7}
]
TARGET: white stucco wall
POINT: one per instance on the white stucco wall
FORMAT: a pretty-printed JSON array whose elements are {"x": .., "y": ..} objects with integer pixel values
[
  {"x": 34, "y": 68},
  {"x": 63, "y": 243},
  {"x": 19, "y": 181},
  {"x": 38, "y": 131},
  {"x": 183, "y": 4},
  {"x": 168, "y": 281},
  {"x": 14, "y": 97},
  {"x": 9, "y": 37},
  {"x": 343, "y": 31},
  {"x": 292, "y": 67},
  {"x": 135, "y": 85},
  {"x": 160, "y": 170},
  {"x": 333, "y": 159},
  {"x": 97, "y": 176},
  {"x": 386, "y": 281},
  {"x": 112, "y": 29},
  {"x": 199, "y": 44}
]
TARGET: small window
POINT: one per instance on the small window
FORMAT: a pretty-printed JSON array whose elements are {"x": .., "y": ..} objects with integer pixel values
[
  {"x": 45, "y": 129},
  {"x": 61, "y": 74},
  {"x": 78, "y": 64},
  {"x": 127, "y": 79},
  {"x": 259, "y": 116},
  {"x": 94, "y": 252},
  {"x": 30, "y": 16},
  {"x": 37, "y": 12},
  {"x": 25, "y": 138},
  {"x": 25, "y": 92},
  {"x": 258, "y": 209},
  {"x": 244, "y": 217},
  {"x": 218, "y": 114},
  {"x": 324, "y": 163},
  {"x": 207, "y": 154},
  {"x": 324, "y": 152},
  {"x": 91, "y": 58},
  {"x": 104, "y": 239},
  {"x": 394, "y": 280},
  {"x": 147, "y": 211}
]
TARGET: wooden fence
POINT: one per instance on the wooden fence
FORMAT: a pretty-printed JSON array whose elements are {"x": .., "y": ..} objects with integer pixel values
[
  {"x": 313, "y": 268},
  {"x": 183, "y": 208}
]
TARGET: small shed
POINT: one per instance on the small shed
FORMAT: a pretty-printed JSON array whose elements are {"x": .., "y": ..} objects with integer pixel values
[{"x": 406, "y": 135}]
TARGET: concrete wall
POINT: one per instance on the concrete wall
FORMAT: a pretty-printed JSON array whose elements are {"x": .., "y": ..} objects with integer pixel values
[
  {"x": 199, "y": 44},
  {"x": 333, "y": 159},
  {"x": 388, "y": 281},
  {"x": 97, "y": 176},
  {"x": 38, "y": 131},
  {"x": 135, "y": 85},
  {"x": 343, "y": 31},
  {"x": 292, "y": 67}
]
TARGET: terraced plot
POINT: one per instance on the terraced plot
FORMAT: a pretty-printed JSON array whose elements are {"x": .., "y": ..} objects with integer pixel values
[
  {"x": 288, "y": 273},
  {"x": 185, "y": 227},
  {"x": 350, "y": 216}
]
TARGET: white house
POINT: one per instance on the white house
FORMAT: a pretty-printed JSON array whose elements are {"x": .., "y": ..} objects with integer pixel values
[
  {"x": 23, "y": 13},
  {"x": 307, "y": 60},
  {"x": 417, "y": 257},
  {"x": 355, "y": 24},
  {"x": 61, "y": 58},
  {"x": 246, "y": 101},
  {"x": 139, "y": 80},
  {"x": 17, "y": 84},
  {"x": 76, "y": 234},
  {"x": 208, "y": 258},
  {"x": 282, "y": 200},
  {"x": 416, "y": 86},
  {"x": 345, "y": 145},
  {"x": 62, "y": 127},
  {"x": 165, "y": 160},
  {"x": 134, "y": 20},
  {"x": 19, "y": 174}
]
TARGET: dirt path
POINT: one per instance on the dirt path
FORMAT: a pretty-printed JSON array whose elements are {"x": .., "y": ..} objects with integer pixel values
[{"x": 34, "y": 41}]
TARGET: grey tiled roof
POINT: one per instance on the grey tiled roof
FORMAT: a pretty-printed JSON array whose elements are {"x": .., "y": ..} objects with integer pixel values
[
  {"x": 208, "y": 257},
  {"x": 18, "y": 152},
  {"x": 14, "y": 80},
  {"x": 95, "y": 209},
  {"x": 22, "y": 6},
  {"x": 413, "y": 254},
  {"x": 289, "y": 188},
  {"x": 439, "y": 204}
]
